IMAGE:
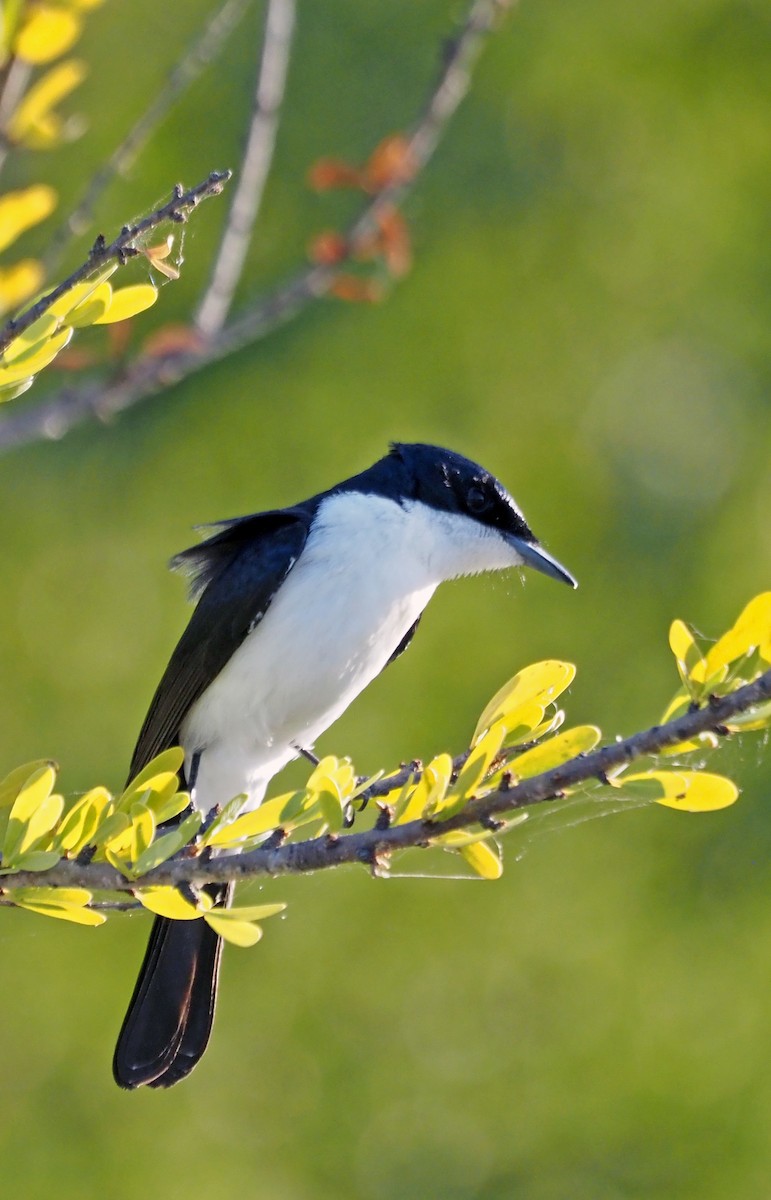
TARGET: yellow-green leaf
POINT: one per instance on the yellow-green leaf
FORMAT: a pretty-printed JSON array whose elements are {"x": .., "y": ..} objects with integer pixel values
[
  {"x": 238, "y": 933},
  {"x": 752, "y": 630},
  {"x": 35, "y": 359},
  {"x": 127, "y": 302},
  {"x": 65, "y": 904},
  {"x": 34, "y": 813},
  {"x": 166, "y": 845},
  {"x": 169, "y": 902},
  {"x": 272, "y": 814},
  {"x": 21, "y": 210},
  {"x": 81, "y": 822},
  {"x": 12, "y": 390},
  {"x": 32, "y": 337},
  {"x": 480, "y": 760},
  {"x": 690, "y": 791},
  {"x": 77, "y": 295},
  {"x": 541, "y": 682},
  {"x": 428, "y": 793},
  {"x": 16, "y": 779},
  {"x": 34, "y": 117},
  {"x": 556, "y": 751},
  {"x": 255, "y": 912},
  {"x": 18, "y": 282},
  {"x": 484, "y": 859},
  {"x": 47, "y": 32},
  {"x": 92, "y": 308}
]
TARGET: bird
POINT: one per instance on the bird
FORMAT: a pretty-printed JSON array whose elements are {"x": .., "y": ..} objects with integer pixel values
[{"x": 296, "y": 611}]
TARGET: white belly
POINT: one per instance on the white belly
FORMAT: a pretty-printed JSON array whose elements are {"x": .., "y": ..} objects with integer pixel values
[{"x": 331, "y": 628}]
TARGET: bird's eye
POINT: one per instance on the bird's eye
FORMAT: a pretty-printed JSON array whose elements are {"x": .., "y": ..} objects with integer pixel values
[{"x": 477, "y": 501}]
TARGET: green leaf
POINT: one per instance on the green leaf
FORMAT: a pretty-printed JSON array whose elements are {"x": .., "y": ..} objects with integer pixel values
[
  {"x": 32, "y": 860},
  {"x": 255, "y": 912},
  {"x": 167, "y": 845},
  {"x": 272, "y": 814}
]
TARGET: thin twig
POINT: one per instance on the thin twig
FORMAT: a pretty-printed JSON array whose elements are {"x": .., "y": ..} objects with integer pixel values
[
  {"x": 204, "y": 50},
  {"x": 178, "y": 208},
  {"x": 69, "y": 407},
  {"x": 371, "y": 845},
  {"x": 255, "y": 167}
]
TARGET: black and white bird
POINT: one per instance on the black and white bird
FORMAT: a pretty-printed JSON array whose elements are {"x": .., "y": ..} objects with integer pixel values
[{"x": 298, "y": 609}]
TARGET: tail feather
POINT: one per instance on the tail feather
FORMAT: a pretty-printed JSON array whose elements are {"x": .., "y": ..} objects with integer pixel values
[{"x": 169, "y": 1019}]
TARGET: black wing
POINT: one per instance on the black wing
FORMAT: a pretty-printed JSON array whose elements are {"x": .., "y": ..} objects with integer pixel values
[{"x": 236, "y": 574}]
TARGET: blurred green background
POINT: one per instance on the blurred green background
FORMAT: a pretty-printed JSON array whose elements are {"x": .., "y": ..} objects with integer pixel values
[{"x": 589, "y": 316}]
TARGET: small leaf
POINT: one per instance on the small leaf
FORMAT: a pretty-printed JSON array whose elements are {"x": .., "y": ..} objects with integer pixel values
[
  {"x": 557, "y": 750},
  {"x": 21, "y": 210},
  {"x": 81, "y": 822},
  {"x": 15, "y": 781},
  {"x": 80, "y": 292},
  {"x": 66, "y": 904},
  {"x": 542, "y": 682},
  {"x": 34, "y": 115},
  {"x": 18, "y": 282},
  {"x": 35, "y": 359},
  {"x": 166, "y": 845},
  {"x": 751, "y": 631},
  {"x": 127, "y": 302},
  {"x": 169, "y": 902},
  {"x": 427, "y": 795},
  {"x": 34, "y": 814},
  {"x": 484, "y": 859},
  {"x": 35, "y": 335},
  {"x": 47, "y": 32},
  {"x": 256, "y": 912},
  {"x": 272, "y": 814},
  {"x": 480, "y": 760},
  {"x": 238, "y": 933},
  {"x": 33, "y": 860},
  {"x": 92, "y": 308},
  {"x": 689, "y": 791}
]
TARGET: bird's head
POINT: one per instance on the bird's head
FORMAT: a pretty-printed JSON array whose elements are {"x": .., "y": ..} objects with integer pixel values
[{"x": 486, "y": 529}]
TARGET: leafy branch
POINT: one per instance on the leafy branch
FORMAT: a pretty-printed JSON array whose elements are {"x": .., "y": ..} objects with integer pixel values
[
  {"x": 150, "y": 374},
  {"x": 120, "y": 250},
  {"x": 105, "y": 847}
]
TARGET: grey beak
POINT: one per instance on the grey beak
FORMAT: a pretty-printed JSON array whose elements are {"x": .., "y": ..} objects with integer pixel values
[{"x": 539, "y": 559}]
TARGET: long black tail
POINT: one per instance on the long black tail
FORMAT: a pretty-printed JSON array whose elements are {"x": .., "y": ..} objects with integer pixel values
[{"x": 169, "y": 1019}]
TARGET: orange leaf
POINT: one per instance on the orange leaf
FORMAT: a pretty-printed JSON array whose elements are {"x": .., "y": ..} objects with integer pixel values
[
  {"x": 329, "y": 173},
  {"x": 328, "y": 248},
  {"x": 355, "y": 290},
  {"x": 391, "y": 163}
]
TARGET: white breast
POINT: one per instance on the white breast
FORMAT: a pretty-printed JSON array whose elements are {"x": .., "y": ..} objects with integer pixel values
[{"x": 366, "y": 573}]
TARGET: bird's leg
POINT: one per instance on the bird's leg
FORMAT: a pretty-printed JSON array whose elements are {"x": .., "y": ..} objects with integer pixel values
[
  {"x": 311, "y": 757},
  {"x": 195, "y": 763}
]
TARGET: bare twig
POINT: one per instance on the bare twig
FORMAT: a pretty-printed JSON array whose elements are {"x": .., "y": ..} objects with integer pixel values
[
  {"x": 374, "y": 844},
  {"x": 56, "y": 416},
  {"x": 201, "y": 53},
  {"x": 255, "y": 167},
  {"x": 178, "y": 208}
]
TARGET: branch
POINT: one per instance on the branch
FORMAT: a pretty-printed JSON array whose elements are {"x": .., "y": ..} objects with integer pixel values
[
  {"x": 178, "y": 208},
  {"x": 255, "y": 167},
  {"x": 69, "y": 407},
  {"x": 373, "y": 845},
  {"x": 201, "y": 53}
]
